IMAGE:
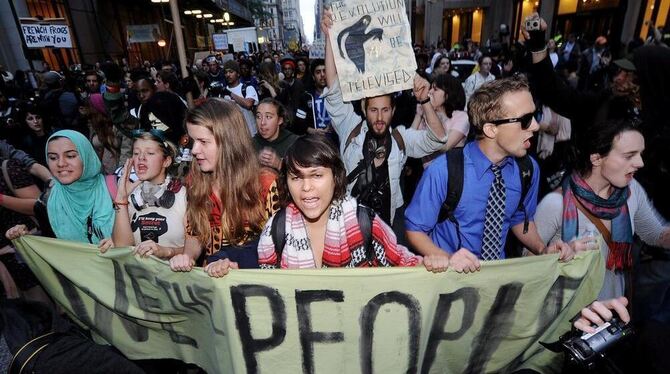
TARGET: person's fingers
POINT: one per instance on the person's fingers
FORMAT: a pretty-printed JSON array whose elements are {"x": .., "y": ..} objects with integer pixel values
[
  {"x": 472, "y": 265},
  {"x": 619, "y": 306},
  {"x": 601, "y": 310},
  {"x": 234, "y": 265},
  {"x": 592, "y": 316},
  {"x": 584, "y": 325}
]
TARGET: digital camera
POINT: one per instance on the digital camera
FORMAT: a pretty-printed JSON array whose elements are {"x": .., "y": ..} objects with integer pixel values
[
  {"x": 586, "y": 349},
  {"x": 533, "y": 24}
]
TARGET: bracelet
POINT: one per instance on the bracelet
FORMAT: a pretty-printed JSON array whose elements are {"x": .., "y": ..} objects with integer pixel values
[
  {"x": 424, "y": 101},
  {"x": 118, "y": 204}
]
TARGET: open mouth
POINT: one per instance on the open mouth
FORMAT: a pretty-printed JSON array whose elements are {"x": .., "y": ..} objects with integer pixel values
[{"x": 310, "y": 202}]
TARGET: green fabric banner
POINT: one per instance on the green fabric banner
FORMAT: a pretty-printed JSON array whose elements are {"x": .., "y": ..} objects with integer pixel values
[{"x": 397, "y": 320}]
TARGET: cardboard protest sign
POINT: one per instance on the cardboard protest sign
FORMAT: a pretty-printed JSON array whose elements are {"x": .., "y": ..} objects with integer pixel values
[
  {"x": 321, "y": 321},
  {"x": 220, "y": 41},
  {"x": 317, "y": 49},
  {"x": 143, "y": 33},
  {"x": 372, "y": 45},
  {"x": 41, "y": 34}
]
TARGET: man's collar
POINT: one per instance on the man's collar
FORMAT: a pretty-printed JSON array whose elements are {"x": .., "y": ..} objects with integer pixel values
[{"x": 480, "y": 161}]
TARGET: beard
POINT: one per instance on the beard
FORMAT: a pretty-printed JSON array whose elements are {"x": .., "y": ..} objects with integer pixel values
[{"x": 375, "y": 134}]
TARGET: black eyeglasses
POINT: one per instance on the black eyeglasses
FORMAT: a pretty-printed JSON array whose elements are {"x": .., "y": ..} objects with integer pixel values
[{"x": 525, "y": 120}]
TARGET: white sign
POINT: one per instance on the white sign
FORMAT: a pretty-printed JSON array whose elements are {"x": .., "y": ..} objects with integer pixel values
[
  {"x": 220, "y": 41},
  {"x": 317, "y": 49},
  {"x": 143, "y": 33},
  {"x": 46, "y": 34},
  {"x": 372, "y": 46}
]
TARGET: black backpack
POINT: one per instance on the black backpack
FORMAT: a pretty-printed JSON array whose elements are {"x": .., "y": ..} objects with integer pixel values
[
  {"x": 455, "y": 166},
  {"x": 364, "y": 214}
]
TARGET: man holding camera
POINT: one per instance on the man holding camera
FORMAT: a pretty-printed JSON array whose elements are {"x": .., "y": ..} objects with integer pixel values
[{"x": 373, "y": 154}]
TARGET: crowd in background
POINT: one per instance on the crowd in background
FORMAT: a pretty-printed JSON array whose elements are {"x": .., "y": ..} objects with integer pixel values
[{"x": 91, "y": 154}]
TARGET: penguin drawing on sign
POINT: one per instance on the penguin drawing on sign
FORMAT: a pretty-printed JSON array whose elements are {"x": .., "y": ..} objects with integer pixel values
[{"x": 354, "y": 37}]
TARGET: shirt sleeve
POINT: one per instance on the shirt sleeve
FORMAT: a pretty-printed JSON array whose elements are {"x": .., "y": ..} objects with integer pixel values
[
  {"x": 252, "y": 94},
  {"x": 420, "y": 143},
  {"x": 396, "y": 254},
  {"x": 342, "y": 115},
  {"x": 530, "y": 202},
  {"x": 18, "y": 175},
  {"x": 8, "y": 151},
  {"x": 459, "y": 122},
  {"x": 422, "y": 212},
  {"x": 648, "y": 222},
  {"x": 549, "y": 217}
]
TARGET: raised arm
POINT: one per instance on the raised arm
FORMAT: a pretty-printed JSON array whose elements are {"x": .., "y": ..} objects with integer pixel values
[{"x": 326, "y": 23}]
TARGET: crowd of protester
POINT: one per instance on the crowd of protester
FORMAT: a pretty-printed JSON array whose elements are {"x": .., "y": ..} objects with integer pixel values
[{"x": 257, "y": 162}]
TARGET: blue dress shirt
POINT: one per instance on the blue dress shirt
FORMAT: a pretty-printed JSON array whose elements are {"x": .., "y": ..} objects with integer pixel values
[{"x": 422, "y": 212}]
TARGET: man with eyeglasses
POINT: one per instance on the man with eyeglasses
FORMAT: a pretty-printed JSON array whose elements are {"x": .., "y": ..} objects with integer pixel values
[{"x": 501, "y": 116}]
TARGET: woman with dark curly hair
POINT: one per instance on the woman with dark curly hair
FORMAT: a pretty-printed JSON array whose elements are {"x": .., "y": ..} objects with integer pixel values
[
  {"x": 447, "y": 99},
  {"x": 321, "y": 222}
]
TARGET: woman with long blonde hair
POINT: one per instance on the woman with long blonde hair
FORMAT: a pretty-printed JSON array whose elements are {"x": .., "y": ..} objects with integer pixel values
[{"x": 229, "y": 197}]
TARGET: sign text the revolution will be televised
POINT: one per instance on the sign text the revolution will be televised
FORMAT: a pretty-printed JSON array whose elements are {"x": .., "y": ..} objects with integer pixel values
[{"x": 372, "y": 47}]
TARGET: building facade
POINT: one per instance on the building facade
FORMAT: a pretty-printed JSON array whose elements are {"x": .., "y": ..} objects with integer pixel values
[
  {"x": 451, "y": 21},
  {"x": 270, "y": 25},
  {"x": 99, "y": 30},
  {"x": 293, "y": 27}
]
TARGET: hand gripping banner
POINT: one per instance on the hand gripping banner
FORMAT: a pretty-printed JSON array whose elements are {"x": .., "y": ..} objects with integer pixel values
[{"x": 396, "y": 320}]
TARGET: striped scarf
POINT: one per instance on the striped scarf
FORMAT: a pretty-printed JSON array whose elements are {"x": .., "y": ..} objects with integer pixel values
[
  {"x": 343, "y": 245},
  {"x": 613, "y": 208}
]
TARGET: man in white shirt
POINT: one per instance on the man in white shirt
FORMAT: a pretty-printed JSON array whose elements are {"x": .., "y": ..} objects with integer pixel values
[{"x": 244, "y": 96}]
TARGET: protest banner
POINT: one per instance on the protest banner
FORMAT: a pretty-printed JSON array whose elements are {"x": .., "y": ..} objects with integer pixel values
[
  {"x": 143, "y": 33},
  {"x": 372, "y": 46},
  {"x": 48, "y": 33},
  {"x": 389, "y": 320},
  {"x": 317, "y": 49}
]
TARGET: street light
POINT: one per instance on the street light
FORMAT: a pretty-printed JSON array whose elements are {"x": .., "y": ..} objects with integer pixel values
[
  {"x": 162, "y": 42},
  {"x": 226, "y": 16}
]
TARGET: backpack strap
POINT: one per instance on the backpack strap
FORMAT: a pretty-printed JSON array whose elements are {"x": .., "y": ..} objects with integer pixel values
[
  {"x": 278, "y": 233},
  {"x": 354, "y": 133},
  {"x": 455, "y": 170},
  {"x": 365, "y": 216},
  {"x": 244, "y": 90},
  {"x": 398, "y": 139},
  {"x": 526, "y": 176}
]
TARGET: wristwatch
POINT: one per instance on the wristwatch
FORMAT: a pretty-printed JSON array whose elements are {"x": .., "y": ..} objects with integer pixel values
[{"x": 424, "y": 101}]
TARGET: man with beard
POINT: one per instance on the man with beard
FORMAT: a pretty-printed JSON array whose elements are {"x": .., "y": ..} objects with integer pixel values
[{"x": 373, "y": 154}]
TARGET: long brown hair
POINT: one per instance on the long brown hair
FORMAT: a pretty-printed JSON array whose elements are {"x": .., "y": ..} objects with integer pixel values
[
  {"x": 103, "y": 127},
  {"x": 236, "y": 174}
]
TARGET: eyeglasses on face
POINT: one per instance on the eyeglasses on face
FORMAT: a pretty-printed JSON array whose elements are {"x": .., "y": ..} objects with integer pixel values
[{"x": 524, "y": 120}]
